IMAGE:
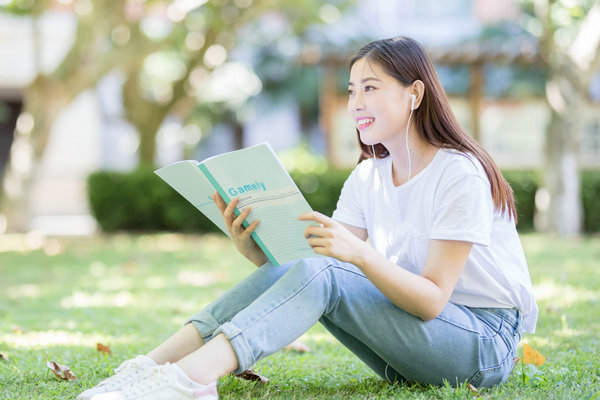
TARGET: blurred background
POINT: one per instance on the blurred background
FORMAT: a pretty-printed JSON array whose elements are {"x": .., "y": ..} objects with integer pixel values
[{"x": 96, "y": 94}]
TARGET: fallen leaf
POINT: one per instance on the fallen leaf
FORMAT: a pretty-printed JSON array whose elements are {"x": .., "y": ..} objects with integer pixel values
[
  {"x": 298, "y": 346},
  {"x": 250, "y": 375},
  {"x": 3, "y": 357},
  {"x": 60, "y": 371},
  {"x": 103, "y": 349},
  {"x": 532, "y": 356},
  {"x": 18, "y": 330},
  {"x": 473, "y": 390}
]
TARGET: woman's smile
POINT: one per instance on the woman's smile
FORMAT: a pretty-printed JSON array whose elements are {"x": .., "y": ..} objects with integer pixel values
[{"x": 364, "y": 122}]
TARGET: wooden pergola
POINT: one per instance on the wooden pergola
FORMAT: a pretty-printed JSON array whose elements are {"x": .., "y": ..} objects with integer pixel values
[{"x": 476, "y": 56}]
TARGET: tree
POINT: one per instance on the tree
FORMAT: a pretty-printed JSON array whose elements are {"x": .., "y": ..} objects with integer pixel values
[
  {"x": 569, "y": 43},
  {"x": 93, "y": 54},
  {"x": 199, "y": 48}
]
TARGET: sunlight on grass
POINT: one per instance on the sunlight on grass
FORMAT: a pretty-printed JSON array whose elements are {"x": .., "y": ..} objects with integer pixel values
[
  {"x": 318, "y": 337},
  {"x": 563, "y": 295},
  {"x": 166, "y": 243},
  {"x": 27, "y": 290},
  {"x": 41, "y": 339},
  {"x": 538, "y": 342},
  {"x": 81, "y": 299},
  {"x": 30, "y": 242},
  {"x": 202, "y": 278}
]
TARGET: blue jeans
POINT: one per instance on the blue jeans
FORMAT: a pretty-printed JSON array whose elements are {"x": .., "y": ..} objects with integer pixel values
[{"x": 274, "y": 306}]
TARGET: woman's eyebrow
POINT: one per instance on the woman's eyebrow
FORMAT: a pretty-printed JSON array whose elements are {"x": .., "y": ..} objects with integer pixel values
[{"x": 365, "y": 80}]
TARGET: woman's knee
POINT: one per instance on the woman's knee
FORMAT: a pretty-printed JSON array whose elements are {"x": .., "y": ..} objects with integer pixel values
[{"x": 310, "y": 266}]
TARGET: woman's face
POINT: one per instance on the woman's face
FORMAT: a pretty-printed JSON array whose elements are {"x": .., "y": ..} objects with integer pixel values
[{"x": 378, "y": 104}]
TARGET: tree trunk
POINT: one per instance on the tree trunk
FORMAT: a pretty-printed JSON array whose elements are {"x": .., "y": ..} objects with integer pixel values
[
  {"x": 564, "y": 213},
  {"x": 43, "y": 101},
  {"x": 570, "y": 71}
]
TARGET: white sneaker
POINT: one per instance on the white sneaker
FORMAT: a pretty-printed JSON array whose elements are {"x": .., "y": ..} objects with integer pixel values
[
  {"x": 163, "y": 382},
  {"x": 126, "y": 373}
]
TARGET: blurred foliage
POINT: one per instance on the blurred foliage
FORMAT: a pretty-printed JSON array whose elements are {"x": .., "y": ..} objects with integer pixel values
[
  {"x": 140, "y": 201},
  {"x": 590, "y": 189},
  {"x": 322, "y": 190},
  {"x": 25, "y": 7},
  {"x": 563, "y": 16},
  {"x": 4, "y": 112},
  {"x": 524, "y": 184}
]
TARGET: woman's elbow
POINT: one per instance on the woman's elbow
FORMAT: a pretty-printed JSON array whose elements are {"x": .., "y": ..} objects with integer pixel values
[
  {"x": 428, "y": 317},
  {"x": 430, "y": 312}
]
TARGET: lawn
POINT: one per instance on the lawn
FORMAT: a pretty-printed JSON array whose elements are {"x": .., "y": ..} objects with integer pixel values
[{"x": 59, "y": 297}]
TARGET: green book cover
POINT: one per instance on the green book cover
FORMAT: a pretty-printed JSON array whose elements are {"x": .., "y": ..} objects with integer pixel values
[{"x": 257, "y": 178}]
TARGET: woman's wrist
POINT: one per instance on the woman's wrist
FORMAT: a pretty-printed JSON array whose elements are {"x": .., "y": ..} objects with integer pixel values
[
  {"x": 258, "y": 259},
  {"x": 364, "y": 254}
]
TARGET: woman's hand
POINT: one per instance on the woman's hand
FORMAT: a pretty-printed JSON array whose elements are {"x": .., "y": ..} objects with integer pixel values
[
  {"x": 332, "y": 239},
  {"x": 240, "y": 235}
]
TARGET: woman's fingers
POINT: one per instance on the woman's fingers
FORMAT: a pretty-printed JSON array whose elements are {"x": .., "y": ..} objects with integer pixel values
[
  {"x": 317, "y": 217},
  {"x": 229, "y": 212},
  {"x": 248, "y": 231},
  {"x": 318, "y": 242},
  {"x": 316, "y": 231},
  {"x": 216, "y": 197},
  {"x": 239, "y": 220},
  {"x": 235, "y": 224}
]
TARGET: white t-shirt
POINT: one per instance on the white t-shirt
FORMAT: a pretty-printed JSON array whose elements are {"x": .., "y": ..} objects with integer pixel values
[{"x": 448, "y": 200}]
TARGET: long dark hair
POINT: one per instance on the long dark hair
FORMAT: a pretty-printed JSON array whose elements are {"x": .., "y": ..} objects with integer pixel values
[{"x": 405, "y": 59}]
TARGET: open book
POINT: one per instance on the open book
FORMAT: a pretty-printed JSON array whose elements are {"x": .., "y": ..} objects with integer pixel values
[{"x": 256, "y": 176}]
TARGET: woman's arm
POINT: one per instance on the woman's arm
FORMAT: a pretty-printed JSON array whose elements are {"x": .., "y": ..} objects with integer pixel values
[
  {"x": 423, "y": 295},
  {"x": 360, "y": 233},
  {"x": 240, "y": 235}
]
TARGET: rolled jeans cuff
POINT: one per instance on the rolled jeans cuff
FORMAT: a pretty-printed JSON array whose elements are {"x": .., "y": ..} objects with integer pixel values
[
  {"x": 240, "y": 345},
  {"x": 206, "y": 324}
]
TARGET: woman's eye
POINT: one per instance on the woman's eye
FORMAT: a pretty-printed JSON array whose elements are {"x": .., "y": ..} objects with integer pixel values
[
  {"x": 369, "y": 88},
  {"x": 350, "y": 92}
]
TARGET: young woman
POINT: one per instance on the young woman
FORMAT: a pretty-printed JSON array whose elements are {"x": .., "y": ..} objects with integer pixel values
[{"x": 441, "y": 292}]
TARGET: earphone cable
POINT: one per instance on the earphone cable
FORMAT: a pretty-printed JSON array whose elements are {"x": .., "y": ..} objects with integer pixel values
[{"x": 406, "y": 142}]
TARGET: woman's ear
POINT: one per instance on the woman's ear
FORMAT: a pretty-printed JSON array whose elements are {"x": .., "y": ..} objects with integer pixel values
[{"x": 418, "y": 89}]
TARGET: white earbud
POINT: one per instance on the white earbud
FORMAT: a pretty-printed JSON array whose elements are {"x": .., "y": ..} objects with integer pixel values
[{"x": 413, "y": 98}]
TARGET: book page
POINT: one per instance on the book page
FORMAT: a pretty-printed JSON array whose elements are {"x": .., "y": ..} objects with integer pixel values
[
  {"x": 187, "y": 179},
  {"x": 256, "y": 176}
]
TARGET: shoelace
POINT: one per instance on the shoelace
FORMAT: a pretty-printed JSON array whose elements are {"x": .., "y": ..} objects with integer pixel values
[
  {"x": 124, "y": 372},
  {"x": 152, "y": 379}
]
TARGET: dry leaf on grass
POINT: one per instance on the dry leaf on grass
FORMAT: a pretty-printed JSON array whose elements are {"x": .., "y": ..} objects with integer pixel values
[
  {"x": 298, "y": 346},
  {"x": 250, "y": 375},
  {"x": 103, "y": 349},
  {"x": 18, "y": 330},
  {"x": 473, "y": 390},
  {"x": 61, "y": 371},
  {"x": 532, "y": 356}
]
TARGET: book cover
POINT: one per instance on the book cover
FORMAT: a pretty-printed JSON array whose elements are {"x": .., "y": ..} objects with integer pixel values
[{"x": 257, "y": 178}]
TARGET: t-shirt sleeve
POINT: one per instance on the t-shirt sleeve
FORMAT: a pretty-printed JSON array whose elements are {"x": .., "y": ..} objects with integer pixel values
[
  {"x": 349, "y": 209},
  {"x": 465, "y": 210}
]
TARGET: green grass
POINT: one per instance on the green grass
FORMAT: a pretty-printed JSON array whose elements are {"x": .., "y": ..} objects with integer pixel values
[{"x": 59, "y": 297}]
